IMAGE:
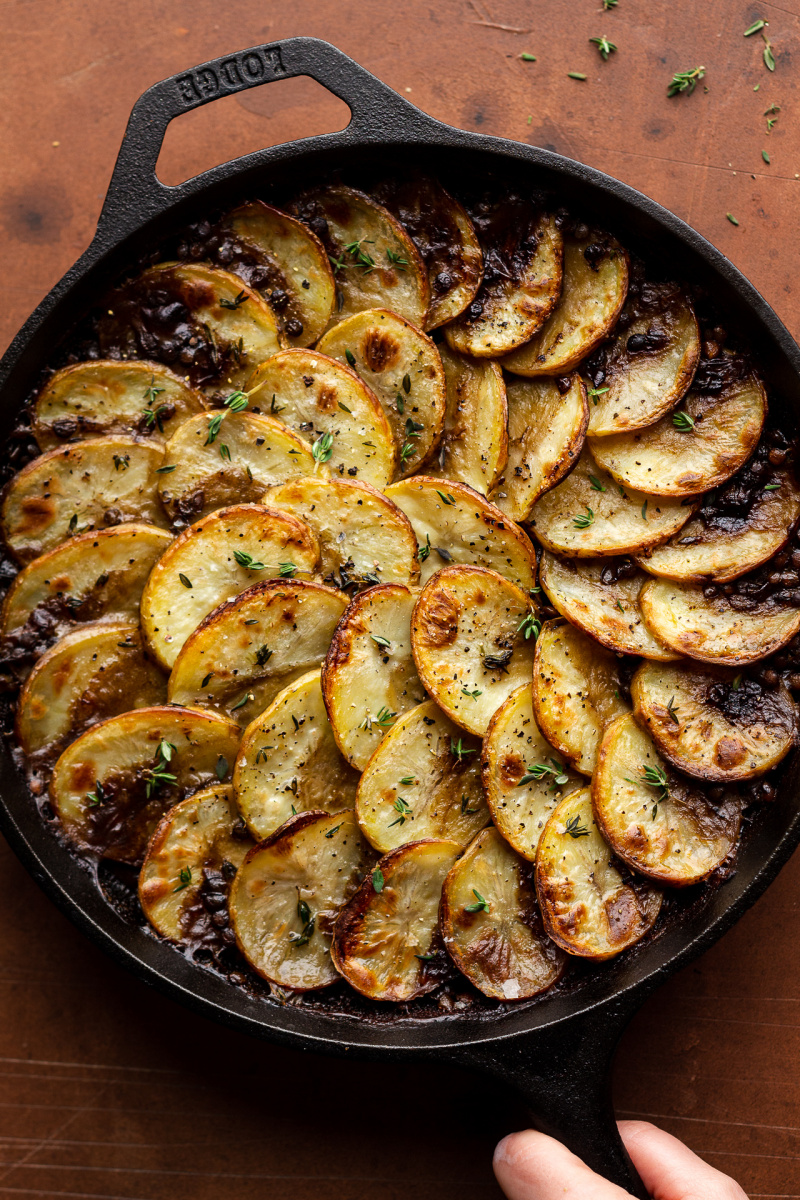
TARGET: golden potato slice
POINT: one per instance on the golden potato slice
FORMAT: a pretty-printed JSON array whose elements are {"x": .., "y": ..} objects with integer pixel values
[
  {"x": 287, "y": 893},
  {"x": 249, "y": 649},
  {"x": 230, "y": 458},
  {"x": 111, "y": 787},
  {"x": 87, "y": 486},
  {"x": 403, "y": 368},
  {"x": 712, "y": 723},
  {"x": 364, "y": 537},
  {"x": 593, "y": 292},
  {"x": 576, "y": 692},
  {"x": 374, "y": 260},
  {"x": 471, "y": 636},
  {"x": 423, "y": 781},
  {"x": 659, "y": 823},
  {"x": 608, "y": 611},
  {"x": 589, "y": 908},
  {"x": 647, "y": 367},
  {"x": 385, "y": 940},
  {"x": 546, "y": 429},
  {"x": 590, "y": 515},
  {"x": 491, "y": 923},
  {"x": 524, "y": 780},
  {"x": 213, "y": 561},
  {"x": 474, "y": 446},
  {"x": 288, "y": 761},
  {"x": 185, "y": 878},
  {"x": 454, "y": 524},
  {"x": 94, "y": 399},
  {"x": 328, "y": 405}
]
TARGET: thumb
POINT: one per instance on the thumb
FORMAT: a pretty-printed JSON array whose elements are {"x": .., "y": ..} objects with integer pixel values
[
  {"x": 670, "y": 1171},
  {"x": 533, "y": 1166}
]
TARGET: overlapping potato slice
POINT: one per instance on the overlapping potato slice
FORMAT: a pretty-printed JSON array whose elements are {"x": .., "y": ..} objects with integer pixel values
[
  {"x": 454, "y": 524},
  {"x": 648, "y": 366},
  {"x": 491, "y": 923},
  {"x": 422, "y": 781},
  {"x": 589, "y": 908},
  {"x": 364, "y": 538},
  {"x": 287, "y": 893},
  {"x": 328, "y": 405},
  {"x": 87, "y": 486},
  {"x": 111, "y": 787},
  {"x": 660, "y": 823},
  {"x": 523, "y": 778},
  {"x": 403, "y": 368},
  {"x": 711, "y": 722},
  {"x": 471, "y": 636},
  {"x": 249, "y": 649},
  {"x": 374, "y": 260},
  {"x": 474, "y": 445},
  {"x": 288, "y": 761},
  {"x": 190, "y": 861},
  {"x": 590, "y": 515},
  {"x": 546, "y": 429},
  {"x": 593, "y": 291},
  {"x": 213, "y": 561},
  {"x": 385, "y": 942}
]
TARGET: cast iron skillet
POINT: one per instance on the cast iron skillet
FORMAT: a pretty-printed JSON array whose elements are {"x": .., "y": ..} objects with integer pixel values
[{"x": 556, "y": 1053}]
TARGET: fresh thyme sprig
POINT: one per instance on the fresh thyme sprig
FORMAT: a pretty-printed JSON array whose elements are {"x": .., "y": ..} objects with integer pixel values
[
  {"x": 685, "y": 81},
  {"x": 584, "y": 520},
  {"x": 604, "y": 47},
  {"x": 322, "y": 448},
  {"x": 382, "y": 720},
  {"x": 542, "y": 770},
  {"x": 403, "y": 808},
  {"x": 575, "y": 829},
  {"x": 683, "y": 422},
  {"x": 480, "y": 904}
]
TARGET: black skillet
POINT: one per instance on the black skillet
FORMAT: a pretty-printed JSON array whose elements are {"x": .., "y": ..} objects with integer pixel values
[{"x": 556, "y": 1053}]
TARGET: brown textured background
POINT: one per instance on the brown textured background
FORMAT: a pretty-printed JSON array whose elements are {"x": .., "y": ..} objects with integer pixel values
[{"x": 106, "y": 1089}]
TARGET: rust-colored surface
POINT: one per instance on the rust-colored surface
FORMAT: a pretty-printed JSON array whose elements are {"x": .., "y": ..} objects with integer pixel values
[{"x": 108, "y": 1090}]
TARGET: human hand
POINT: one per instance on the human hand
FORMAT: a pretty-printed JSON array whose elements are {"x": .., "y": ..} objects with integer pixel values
[{"x": 532, "y": 1166}]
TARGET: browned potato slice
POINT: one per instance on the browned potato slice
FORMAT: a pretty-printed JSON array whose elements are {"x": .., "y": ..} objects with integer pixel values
[
  {"x": 328, "y": 405},
  {"x": 546, "y": 429},
  {"x": 288, "y": 761},
  {"x": 474, "y": 447},
  {"x": 712, "y": 723},
  {"x": 88, "y": 486},
  {"x": 576, "y": 692},
  {"x": 648, "y": 366},
  {"x": 609, "y": 612},
  {"x": 592, "y": 294},
  {"x": 374, "y": 260},
  {"x": 588, "y": 907},
  {"x": 185, "y": 877},
  {"x": 287, "y": 893},
  {"x": 491, "y": 923},
  {"x": 385, "y": 938},
  {"x": 423, "y": 781},
  {"x": 111, "y": 787},
  {"x": 93, "y": 399},
  {"x": 403, "y": 368},
  {"x": 220, "y": 556},
  {"x": 471, "y": 636},
  {"x": 454, "y": 524},
  {"x": 248, "y": 650},
  {"x": 590, "y": 515},
  {"x": 659, "y": 823},
  {"x": 524, "y": 781}
]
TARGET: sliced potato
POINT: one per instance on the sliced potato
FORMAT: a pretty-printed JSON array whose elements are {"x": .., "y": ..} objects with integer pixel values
[
  {"x": 474, "y": 446},
  {"x": 659, "y": 823},
  {"x": 593, "y": 292},
  {"x": 366, "y": 682},
  {"x": 385, "y": 938},
  {"x": 454, "y": 524},
  {"x": 288, "y": 761},
  {"x": 470, "y": 634},
  {"x": 91, "y": 485},
  {"x": 220, "y": 556},
  {"x": 111, "y": 787},
  {"x": 416, "y": 786},
  {"x": 491, "y": 923},
  {"x": 403, "y": 368},
  {"x": 524, "y": 781},
  {"x": 248, "y": 650},
  {"x": 588, "y": 907},
  {"x": 287, "y": 893}
]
